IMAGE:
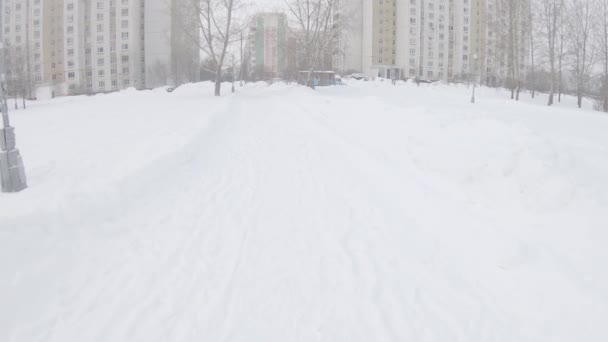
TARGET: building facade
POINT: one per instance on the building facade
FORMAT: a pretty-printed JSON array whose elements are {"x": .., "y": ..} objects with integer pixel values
[
  {"x": 447, "y": 40},
  {"x": 68, "y": 47},
  {"x": 268, "y": 46},
  {"x": 171, "y": 55},
  {"x": 347, "y": 54}
]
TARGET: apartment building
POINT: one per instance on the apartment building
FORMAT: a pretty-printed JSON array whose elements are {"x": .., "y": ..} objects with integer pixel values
[
  {"x": 384, "y": 38},
  {"x": 19, "y": 42},
  {"x": 347, "y": 52},
  {"x": 268, "y": 45},
  {"x": 104, "y": 45},
  {"x": 490, "y": 41},
  {"x": 432, "y": 38},
  {"x": 171, "y": 55},
  {"x": 446, "y": 40},
  {"x": 1, "y": 25},
  {"x": 67, "y": 47}
]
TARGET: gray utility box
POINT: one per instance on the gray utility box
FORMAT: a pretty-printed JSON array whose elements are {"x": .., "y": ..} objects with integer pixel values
[
  {"x": 13, "y": 172},
  {"x": 11, "y": 165},
  {"x": 7, "y": 139}
]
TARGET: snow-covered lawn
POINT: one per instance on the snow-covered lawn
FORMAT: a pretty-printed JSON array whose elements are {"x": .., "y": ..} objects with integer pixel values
[{"x": 367, "y": 212}]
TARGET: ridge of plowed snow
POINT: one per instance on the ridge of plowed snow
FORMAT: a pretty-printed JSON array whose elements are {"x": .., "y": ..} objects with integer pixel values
[{"x": 359, "y": 213}]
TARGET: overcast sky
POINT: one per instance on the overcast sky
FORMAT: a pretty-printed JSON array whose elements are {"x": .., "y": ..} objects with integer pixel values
[{"x": 269, "y": 4}]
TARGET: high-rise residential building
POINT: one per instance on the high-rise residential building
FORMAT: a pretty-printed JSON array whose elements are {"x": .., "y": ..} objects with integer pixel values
[
  {"x": 1, "y": 25},
  {"x": 432, "y": 38},
  {"x": 172, "y": 57},
  {"x": 268, "y": 45},
  {"x": 422, "y": 39},
  {"x": 22, "y": 43},
  {"x": 384, "y": 37},
  {"x": 348, "y": 39},
  {"x": 103, "y": 45},
  {"x": 490, "y": 40},
  {"x": 65, "y": 47}
]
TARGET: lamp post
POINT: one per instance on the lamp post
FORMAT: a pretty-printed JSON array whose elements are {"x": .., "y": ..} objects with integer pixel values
[
  {"x": 12, "y": 171},
  {"x": 474, "y": 78}
]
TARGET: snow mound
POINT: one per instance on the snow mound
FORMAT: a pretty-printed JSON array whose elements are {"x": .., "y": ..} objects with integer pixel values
[{"x": 365, "y": 212}]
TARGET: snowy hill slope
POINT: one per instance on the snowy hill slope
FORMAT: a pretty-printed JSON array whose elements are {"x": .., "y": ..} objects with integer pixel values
[{"x": 359, "y": 213}]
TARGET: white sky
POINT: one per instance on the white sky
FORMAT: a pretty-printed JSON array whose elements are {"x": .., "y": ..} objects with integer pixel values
[{"x": 268, "y": 4}]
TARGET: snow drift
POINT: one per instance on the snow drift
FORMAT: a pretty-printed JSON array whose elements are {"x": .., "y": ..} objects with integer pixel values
[{"x": 368, "y": 212}]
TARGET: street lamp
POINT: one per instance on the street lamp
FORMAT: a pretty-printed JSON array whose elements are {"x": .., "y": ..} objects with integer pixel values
[
  {"x": 12, "y": 171},
  {"x": 474, "y": 77}
]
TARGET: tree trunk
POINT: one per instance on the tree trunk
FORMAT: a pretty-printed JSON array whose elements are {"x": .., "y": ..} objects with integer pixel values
[
  {"x": 606, "y": 93},
  {"x": 579, "y": 94},
  {"x": 561, "y": 60},
  {"x": 218, "y": 82},
  {"x": 551, "y": 94},
  {"x": 309, "y": 80},
  {"x": 533, "y": 80},
  {"x": 606, "y": 84},
  {"x": 559, "y": 87}
]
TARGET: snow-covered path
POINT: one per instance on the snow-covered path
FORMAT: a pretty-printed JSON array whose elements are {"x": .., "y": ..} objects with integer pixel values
[{"x": 288, "y": 215}]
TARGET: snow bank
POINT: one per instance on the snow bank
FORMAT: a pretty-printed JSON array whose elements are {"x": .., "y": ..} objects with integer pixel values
[{"x": 366, "y": 212}]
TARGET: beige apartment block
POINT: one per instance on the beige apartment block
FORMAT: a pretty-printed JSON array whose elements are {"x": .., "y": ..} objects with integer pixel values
[
  {"x": 69, "y": 47},
  {"x": 437, "y": 40}
]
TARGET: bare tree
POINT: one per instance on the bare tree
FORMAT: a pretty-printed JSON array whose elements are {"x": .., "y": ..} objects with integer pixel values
[
  {"x": 219, "y": 27},
  {"x": 185, "y": 56},
  {"x": 532, "y": 27},
  {"x": 580, "y": 30},
  {"x": 20, "y": 83},
  {"x": 158, "y": 74},
  {"x": 602, "y": 39},
  {"x": 313, "y": 31},
  {"x": 551, "y": 11},
  {"x": 510, "y": 31},
  {"x": 561, "y": 53},
  {"x": 514, "y": 28}
]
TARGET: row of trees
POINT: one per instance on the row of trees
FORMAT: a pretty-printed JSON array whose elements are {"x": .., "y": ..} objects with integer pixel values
[
  {"x": 557, "y": 46},
  {"x": 20, "y": 81},
  {"x": 553, "y": 46},
  {"x": 222, "y": 23},
  {"x": 568, "y": 42}
]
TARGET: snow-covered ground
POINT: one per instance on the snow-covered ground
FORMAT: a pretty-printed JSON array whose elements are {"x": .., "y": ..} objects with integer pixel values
[{"x": 367, "y": 212}]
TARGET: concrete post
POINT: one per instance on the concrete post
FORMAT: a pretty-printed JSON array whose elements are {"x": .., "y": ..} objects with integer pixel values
[{"x": 12, "y": 171}]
